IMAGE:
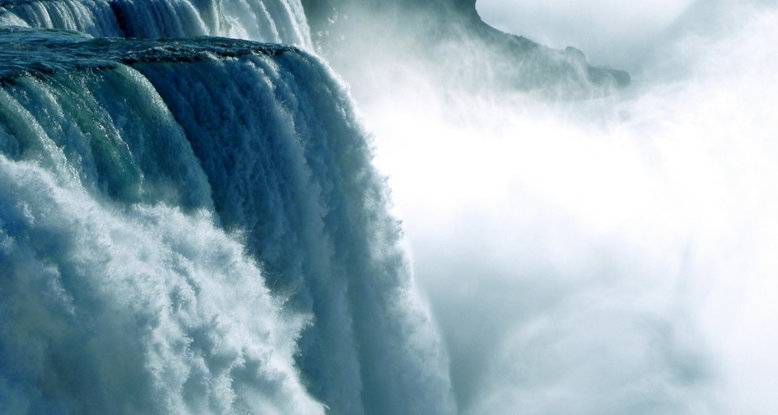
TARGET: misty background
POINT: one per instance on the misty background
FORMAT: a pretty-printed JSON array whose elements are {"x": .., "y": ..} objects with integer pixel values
[{"x": 608, "y": 255}]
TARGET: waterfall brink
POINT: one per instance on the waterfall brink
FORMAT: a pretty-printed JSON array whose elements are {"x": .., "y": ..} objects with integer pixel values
[
  {"x": 194, "y": 226},
  {"x": 275, "y": 21}
]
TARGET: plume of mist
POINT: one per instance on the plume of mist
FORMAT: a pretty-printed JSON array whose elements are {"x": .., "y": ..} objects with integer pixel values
[{"x": 606, "y": 256}]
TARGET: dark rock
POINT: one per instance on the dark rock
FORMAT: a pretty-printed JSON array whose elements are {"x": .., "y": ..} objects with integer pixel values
[{"x": 449, "y": 39}]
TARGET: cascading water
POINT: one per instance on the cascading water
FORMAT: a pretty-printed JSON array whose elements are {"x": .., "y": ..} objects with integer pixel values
[
  {"x": 276, "y": 21},
  {"x": 148, "y": 186},
  {"x": 195, "y": 226}
]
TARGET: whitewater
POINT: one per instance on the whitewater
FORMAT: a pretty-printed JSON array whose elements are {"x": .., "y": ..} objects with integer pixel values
[
  {"x": 342, "y": 207},
  {"x": 194, "y": 226}
]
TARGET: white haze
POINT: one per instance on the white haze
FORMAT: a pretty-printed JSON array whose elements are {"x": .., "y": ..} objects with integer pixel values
[{"x": 613, "y": 256}]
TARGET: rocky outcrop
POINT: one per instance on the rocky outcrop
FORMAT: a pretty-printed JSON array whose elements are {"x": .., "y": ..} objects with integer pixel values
[{"x": 449, "y": 39}]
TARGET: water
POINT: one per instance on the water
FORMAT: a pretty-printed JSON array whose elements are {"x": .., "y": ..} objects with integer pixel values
[
  {"x": 277, "y": 21},
  {"x": 196, "y": 225}
]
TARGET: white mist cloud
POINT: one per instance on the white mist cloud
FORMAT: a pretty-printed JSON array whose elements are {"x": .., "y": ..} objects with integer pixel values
[{"x": 602, "y": 257}]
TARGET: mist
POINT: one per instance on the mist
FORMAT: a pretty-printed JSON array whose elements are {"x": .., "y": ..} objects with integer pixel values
[{"x": 608, "y": 255}]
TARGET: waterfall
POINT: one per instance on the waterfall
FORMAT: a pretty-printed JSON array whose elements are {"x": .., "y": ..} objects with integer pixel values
[
  {"x": 275, "y": 21},
  {"x": 195, "y": 226}
]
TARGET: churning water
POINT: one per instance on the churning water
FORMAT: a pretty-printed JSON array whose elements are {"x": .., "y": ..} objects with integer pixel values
[{"x": 196, "y": 225}]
